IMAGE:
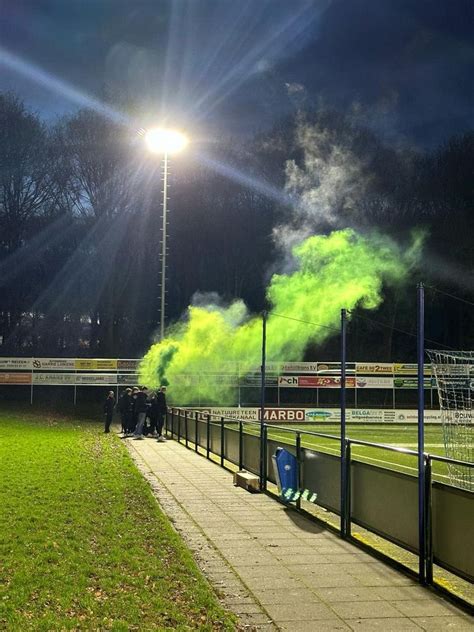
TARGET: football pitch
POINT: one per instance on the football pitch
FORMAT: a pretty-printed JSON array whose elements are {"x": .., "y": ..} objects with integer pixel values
[{"x": 401, "y": 436}]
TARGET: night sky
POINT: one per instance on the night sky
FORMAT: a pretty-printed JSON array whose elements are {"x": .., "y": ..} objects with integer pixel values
[{"x": 401, "y": 66}]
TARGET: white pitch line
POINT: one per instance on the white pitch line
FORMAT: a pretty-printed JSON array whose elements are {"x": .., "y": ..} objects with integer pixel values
[{"x": 369, "y": 458}]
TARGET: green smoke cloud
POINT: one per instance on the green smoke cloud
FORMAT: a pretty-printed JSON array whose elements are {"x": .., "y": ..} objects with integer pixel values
[{"x": 343, "y": 269}]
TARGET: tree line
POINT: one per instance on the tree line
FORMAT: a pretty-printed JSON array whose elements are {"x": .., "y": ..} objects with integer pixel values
[{"x": 80, "y": 220}]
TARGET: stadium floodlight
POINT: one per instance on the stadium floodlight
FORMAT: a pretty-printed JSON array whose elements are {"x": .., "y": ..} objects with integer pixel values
[
  {"x": 453, "y": 371},
  {"x": 164, "y": 141}
]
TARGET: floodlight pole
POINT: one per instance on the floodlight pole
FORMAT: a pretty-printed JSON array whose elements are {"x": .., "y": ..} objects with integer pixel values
[
  {"x": 421, "y": 434},
  {"x": 164, "y": 246}
]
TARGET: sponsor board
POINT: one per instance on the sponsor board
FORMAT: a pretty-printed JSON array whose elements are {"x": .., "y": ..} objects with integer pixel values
[
  {"x": 99, "y": 364},
  {"x": 15, "y": 378},
  {"x": 245, "y": 414},
  {"x": 127, "y": 365},
  {"x": 455, "y": 383},
  {"x": 313, "y": 381},
  {"x": 256, "y": 380},
  {"x": 411, "y": 382},
  {"x": 127, "y": 379},
  {"x": 374, "y": 382},
  {"x": 373, "y": 367},
  {"x": 54, "y": 364},
  {"x": 332, "y": 415},
  {"x": 16, "y": 364},
  {"x": 322, "y": 414},
  {"x": 284, "y": 414},
  {"x": 96, "y": 379},
  {"x": 329, "y": 367},
  {"x": 54, "y": 379},
  {"x": 410, "y": 369},
  {"x": 462, "y": 415}
]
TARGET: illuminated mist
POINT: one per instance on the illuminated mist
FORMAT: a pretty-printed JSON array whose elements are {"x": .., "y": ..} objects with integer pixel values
[{"x": 342, "y": 269}]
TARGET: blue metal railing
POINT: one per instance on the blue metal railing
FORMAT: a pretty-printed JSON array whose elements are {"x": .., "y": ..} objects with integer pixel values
[{"x": 260, "y": 432}]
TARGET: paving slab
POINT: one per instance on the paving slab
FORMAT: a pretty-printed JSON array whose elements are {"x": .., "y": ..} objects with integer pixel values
[{"x": 276, "y": 569}]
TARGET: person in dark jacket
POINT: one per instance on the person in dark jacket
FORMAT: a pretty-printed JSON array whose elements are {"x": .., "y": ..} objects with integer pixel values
[
  {"x": 140, "y": 410},
  {"x": 161, "y": 408},
  {"x": 132, "y": 413},
  {"x": 125, "y": 405},
  {"x": 153, "y": 415},
  {"x": 109, "y": 406}
]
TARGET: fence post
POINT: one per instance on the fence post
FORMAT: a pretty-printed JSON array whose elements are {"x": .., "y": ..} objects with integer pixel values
[
  {"x": 241, "y": 445},
  {"x": 429, "y": 523},
  {"x": 343, "y": 423},
  {"x": 222, "y": 441},
  {"x": 196, "y": 434},
  {"x": 421, "y": 436},
  {"x": 208, "y": 435},
  {"x": 347, "y": 518},
  {"x": 186, "y": 427},
  {"x": 179, "y": 426},
  {"x": 298, "y": 470},
  {"x": 263, "y": 486}
]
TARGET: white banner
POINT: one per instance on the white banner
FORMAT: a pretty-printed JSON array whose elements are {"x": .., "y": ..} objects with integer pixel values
[
  {"x": 374, "y": 382},
  {"x": 305, "y": 415},
  {"x": 53, "y": 379},
  {"x": 55, "y": 364},
  {"x": 16, "y": 364},
  {"x": 96, "y": 379}
]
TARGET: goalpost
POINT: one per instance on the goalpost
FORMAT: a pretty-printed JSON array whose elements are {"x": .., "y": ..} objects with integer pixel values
[{"x": 454, "y": 373}]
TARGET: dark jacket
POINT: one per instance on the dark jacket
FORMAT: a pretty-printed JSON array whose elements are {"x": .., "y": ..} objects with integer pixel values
[
  {"x": 161, "y": 402},
  {"x": 141, "y": 402},
  {"x": 109, "y": 405},
  {"x": 126, "y": 403}
]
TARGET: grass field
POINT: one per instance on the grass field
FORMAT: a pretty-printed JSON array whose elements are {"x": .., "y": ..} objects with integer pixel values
[
  {"x": 400, "y": 436},
  {"x": 83, "y": 543}
]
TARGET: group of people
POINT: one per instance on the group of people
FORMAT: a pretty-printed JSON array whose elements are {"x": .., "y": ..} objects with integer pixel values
[{"x": 137, "y": 407}]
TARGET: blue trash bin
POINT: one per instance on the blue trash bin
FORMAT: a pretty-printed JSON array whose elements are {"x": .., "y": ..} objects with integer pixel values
[{"x": 286, "y": 473}]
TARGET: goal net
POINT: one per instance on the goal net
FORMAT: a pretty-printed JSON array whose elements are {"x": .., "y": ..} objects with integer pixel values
[{"x": 454, "y": 373}]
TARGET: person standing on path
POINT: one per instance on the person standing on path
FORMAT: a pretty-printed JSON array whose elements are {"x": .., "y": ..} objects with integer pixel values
[
  {"x": 161, "y": 409},
  {"x": 123, "y": 406},
  {"x": 109, "y": 406},
  {"x": 140, "y": 411}
]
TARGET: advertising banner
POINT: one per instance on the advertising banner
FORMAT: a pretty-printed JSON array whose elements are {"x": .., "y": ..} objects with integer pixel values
[
  {"x": 54, "y": 379},
  {"x": 100, "y": 364},
  {"x": 127, "y": 365},
  {"x": 411, "y": 382},
  {"x": 54, "y": 364},
  {"x": 329, "y": 367},
  {"x": 284, "y": 414},
  {"x": 15, "y": 378},
  {"x": 374, "y": 382},
  {"x": 374, "y": 367},
  {"x": 256, "y": 380},
  {"x": 331, "y": 415},
  {"x": 16, "y": 364},
  {"x": 128, "y": 379},
  {"x": 410, "y": 369},
  {"x": 96, "y": 379},
  {"x": 320, "y": 381}
]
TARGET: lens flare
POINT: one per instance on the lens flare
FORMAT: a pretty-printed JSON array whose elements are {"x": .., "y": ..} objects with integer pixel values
[{"x": 165, "y": 141}]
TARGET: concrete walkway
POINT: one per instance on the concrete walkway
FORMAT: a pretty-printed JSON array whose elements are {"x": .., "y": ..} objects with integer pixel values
[{"x": 273, "y": 567}]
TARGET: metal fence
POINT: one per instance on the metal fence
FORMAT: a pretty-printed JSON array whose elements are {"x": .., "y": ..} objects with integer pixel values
[{"x": 381, "y": 500}]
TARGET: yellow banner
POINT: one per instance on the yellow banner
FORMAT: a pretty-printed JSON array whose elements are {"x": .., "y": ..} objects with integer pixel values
[{"x": 83, "y": 364}]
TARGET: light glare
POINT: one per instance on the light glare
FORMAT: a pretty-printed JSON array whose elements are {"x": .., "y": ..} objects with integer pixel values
[{"x": 165, "y": 141}]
